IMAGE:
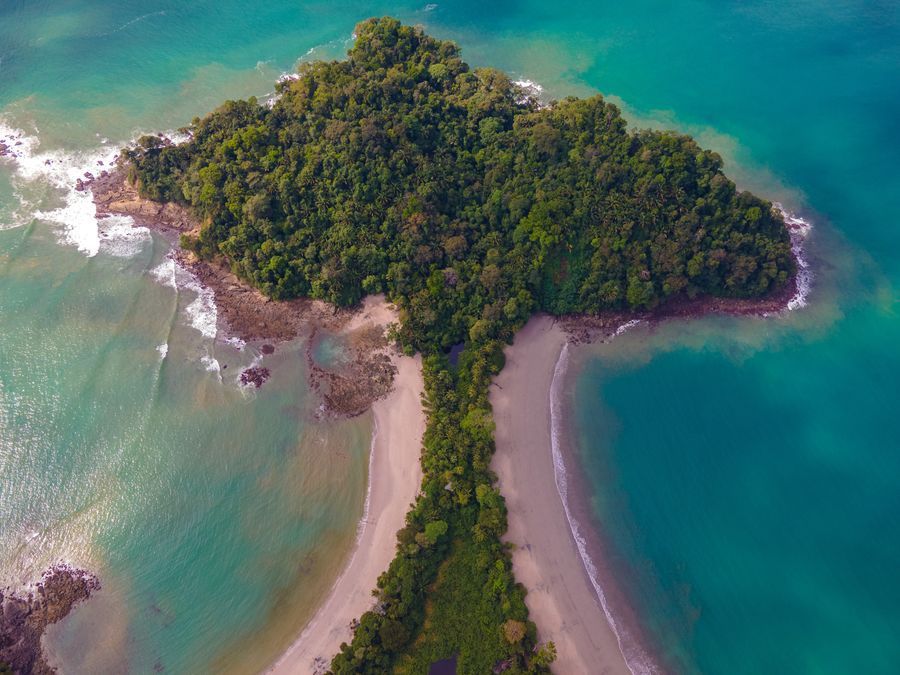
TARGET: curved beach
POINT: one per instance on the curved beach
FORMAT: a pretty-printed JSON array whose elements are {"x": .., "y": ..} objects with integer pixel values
[
  {"x": 561, "y": 598},
  {"x": 394, "y": 478}
]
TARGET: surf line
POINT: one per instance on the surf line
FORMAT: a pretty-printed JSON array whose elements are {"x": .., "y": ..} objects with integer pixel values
[{"x": 639, "y": 664}]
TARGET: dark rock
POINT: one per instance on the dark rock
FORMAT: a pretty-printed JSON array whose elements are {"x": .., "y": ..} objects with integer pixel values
[
  {"x": 255, "y": 376},
  {"x": 268, "y": 349},
  {"x": 23, "y": 618}
]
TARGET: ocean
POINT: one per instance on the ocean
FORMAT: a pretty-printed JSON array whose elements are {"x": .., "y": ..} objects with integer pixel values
[{"x": 737, "y": 472}]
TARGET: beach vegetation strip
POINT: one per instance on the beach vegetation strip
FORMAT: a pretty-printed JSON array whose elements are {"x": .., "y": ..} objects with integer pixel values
[{"x": 472, "y": 205}]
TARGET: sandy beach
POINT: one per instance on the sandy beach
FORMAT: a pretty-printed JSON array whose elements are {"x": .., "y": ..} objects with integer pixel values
[
  {"x": 561, "y": 600},
  {"x": 399, "y": 421},
  {"x": 394, "y": 478}
]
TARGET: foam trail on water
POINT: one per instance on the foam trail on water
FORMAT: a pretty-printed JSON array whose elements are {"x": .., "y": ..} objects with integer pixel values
[
  {"x": 799, "y": 229},
  {"x": 636, "y": 660},
  {"x": 202, "y": 313},
  {"x": 135, "y": 20}
]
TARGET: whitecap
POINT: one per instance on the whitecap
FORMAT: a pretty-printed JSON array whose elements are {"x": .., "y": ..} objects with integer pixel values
[
  {"x": 163, "y": 350},
  {"x": 235, "y": 342},
  {"x": 625, "y": 327},
  {"x": 202, "y": 311},
  {"x": 164, "y": 273},
  {"x": 61, "y": 170},
  {"x": 120, "y": 237}
]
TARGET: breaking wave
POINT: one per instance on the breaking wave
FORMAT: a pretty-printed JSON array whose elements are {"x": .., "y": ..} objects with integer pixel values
[
  {"x": 799, "y": 229},
  {"x": 67, "y": 174},
  {"x": 201, "y": 312}
]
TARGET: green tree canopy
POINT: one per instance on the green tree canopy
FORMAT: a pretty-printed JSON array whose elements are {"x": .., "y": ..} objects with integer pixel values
[{"x": 402, "y": 169}]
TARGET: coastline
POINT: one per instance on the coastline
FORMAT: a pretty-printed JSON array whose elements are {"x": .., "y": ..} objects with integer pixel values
[
  {"x": 568, "y": 607},
  {"x": 561, "y": 598},
  {"x": 394, "y": 478},
  {"x": 238, "y": 312},
  {"x": 549, "y": 526},
  {"x": 375, "y": 376},
  {"x": 26, "y": 614},
  {"x": 605, "y": 577}
]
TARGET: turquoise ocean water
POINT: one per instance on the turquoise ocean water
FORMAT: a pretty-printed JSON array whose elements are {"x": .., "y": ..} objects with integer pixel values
[{"x": 740, "y": 472}]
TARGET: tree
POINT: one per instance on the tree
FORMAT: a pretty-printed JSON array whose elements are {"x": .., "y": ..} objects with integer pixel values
[{"x": 401, "y": 170}]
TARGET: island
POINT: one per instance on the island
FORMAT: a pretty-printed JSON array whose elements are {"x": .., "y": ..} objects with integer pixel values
[{"x": 472, "y": 207}]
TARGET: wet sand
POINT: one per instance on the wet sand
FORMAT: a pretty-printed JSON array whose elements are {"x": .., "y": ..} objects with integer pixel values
[
  {"x": 394, "y": 478},
  {"x": 561, "y": 600}
]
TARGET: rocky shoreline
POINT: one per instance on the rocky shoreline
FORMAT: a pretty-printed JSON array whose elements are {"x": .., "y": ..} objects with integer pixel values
[
  {"x": 245, "y": 313},
  {"x": 585, "y": 329},
  {"x": 23, "y": 617},
  {"x": 349, "y": 390}
]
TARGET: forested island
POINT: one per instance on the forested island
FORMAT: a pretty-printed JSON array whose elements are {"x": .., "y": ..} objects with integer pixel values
[{"x": 472, "y": 206}]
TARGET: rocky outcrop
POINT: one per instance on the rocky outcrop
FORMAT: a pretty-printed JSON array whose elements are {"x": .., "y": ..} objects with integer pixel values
[
  {"x": 114, "y": 195},
  {"x": 23, "y": 617}
]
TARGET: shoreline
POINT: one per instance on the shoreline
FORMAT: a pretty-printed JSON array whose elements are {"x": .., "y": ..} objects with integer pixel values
[
  {"x": 394, "y": 477},
  {"x": 243, "y": 314},
  {"x": 574, "y": 494},
  {"x": 26, "y": 614},
  {"x": 552, "y": 530},
  {"x": 561, "y": 600},
  {"x": 569, "y": 607},
  {"x": 376, "y": 376}
]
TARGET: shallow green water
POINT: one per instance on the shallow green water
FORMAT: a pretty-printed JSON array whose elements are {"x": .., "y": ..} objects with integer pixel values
[{"x": 742, "y": 468}]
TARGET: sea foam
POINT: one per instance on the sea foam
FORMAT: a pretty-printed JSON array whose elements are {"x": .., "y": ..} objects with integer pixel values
[
  {"x": 531, "y": 92},
  {"x": 799, "y": 229},
  {"x": 61, "y": 170},
  {"x": 201, "y": 312}
]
